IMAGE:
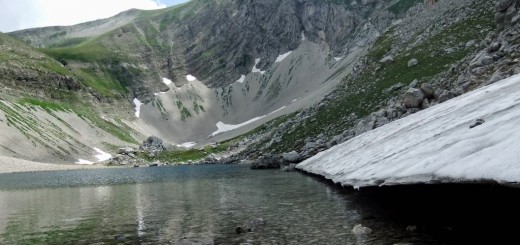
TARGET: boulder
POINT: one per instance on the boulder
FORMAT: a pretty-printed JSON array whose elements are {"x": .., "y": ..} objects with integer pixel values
[
  {"x": 494, "y": 47},
  {"x": 387, "y": 59},
  {"x": 413, "y": 98},
  {"x": 427, "y": 90},
  {"x": 291, "y": 157},
  {"x": 152, "y": 144},
  {"x": 413, "y": 62},
  {"x": 361, "y": 230},
  {"x": 267, "y": 161}
]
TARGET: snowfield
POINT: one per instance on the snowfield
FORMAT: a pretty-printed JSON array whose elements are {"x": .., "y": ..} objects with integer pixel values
[{"x": 435, "y": 145}]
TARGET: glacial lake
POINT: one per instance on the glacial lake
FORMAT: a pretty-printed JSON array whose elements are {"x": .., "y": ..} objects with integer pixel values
[{"x": 162, "y": 205}]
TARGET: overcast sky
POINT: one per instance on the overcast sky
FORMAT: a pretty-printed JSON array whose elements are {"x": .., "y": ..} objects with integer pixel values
[{"x": 23, "y": 14}]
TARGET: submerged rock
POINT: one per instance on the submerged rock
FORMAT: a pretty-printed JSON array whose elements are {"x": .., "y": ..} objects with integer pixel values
[
  {"x": 290, "y": 168},
  {"x": 195, "y": 241},
  {"x": 250, "y": 226},
  {"x": 361, "y": 230}
]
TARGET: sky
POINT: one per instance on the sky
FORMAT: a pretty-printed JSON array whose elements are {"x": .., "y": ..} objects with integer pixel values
[{"x": 23, "y": 14}]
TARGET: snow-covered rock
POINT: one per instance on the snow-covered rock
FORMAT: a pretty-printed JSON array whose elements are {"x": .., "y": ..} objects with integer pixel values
[{"x": 435, "y": 145}]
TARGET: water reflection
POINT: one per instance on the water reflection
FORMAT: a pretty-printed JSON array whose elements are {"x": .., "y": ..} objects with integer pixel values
[{"x": 199, "y": 202}]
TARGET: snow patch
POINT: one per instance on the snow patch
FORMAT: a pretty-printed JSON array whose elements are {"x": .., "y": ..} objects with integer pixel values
[
  {"x": 187, "y": 145},
  {"x": 84, "y": 162},
  {"x": 137, "y": 104},
  {"x": 338, "y": 58},
  {"x": 166, "y": 81},
  {"x": 222, "y": 127},
  {"x": 277, "y": 110},
  {"x": 303, "y": 36},
  {"x": 436, "y": 144},
  {"x": 282, "y": 57},
  {"x": 101, "y": 156},
  {"x": 190, "y": 78},
  {"x": 241, "y": 79},
  {"x": 256, "y": 70}
]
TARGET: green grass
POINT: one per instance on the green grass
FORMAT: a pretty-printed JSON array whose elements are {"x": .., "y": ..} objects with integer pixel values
[{"x": 102, "y": 83}]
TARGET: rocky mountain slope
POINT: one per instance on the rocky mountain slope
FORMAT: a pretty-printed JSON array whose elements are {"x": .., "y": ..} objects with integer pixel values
[
  {"x": 191, "y": 72},
  {"x": 211, "y": 70},
  {"x": 433, "y": 54}
]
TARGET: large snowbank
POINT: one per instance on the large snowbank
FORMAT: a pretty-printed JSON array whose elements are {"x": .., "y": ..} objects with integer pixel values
[{"x": 435, "y": 145}]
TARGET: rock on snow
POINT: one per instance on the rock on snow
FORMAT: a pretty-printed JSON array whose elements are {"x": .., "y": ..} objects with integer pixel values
[{"x": 435, "y": 145}]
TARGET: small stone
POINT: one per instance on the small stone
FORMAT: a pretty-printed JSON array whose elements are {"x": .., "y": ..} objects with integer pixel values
[
  {"x": 387, "y": 59},
  {"x": 413, "y": 62},
  {"x": 414, "y": 83}
]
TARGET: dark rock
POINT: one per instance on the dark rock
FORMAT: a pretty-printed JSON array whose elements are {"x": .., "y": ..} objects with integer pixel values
[
  {"x": 428, "y": 90},
  {"x": 267, "y": 161},
  {"x": 477, "y": 123},
  {"x": 494, "y": 47},
  {"x": 411, "y": 228}
]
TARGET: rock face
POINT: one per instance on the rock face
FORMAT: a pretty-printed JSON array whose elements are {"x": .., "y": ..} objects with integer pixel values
[{"x": 224, "y": 38}]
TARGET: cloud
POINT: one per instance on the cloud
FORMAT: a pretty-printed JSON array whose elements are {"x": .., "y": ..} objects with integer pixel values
[{"x": 23, "y": 14}]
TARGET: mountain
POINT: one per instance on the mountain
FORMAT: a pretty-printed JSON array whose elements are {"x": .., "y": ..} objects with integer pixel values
[
  {"x": 211, "y": 70},
  {"x": 229, "y": 62}
]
